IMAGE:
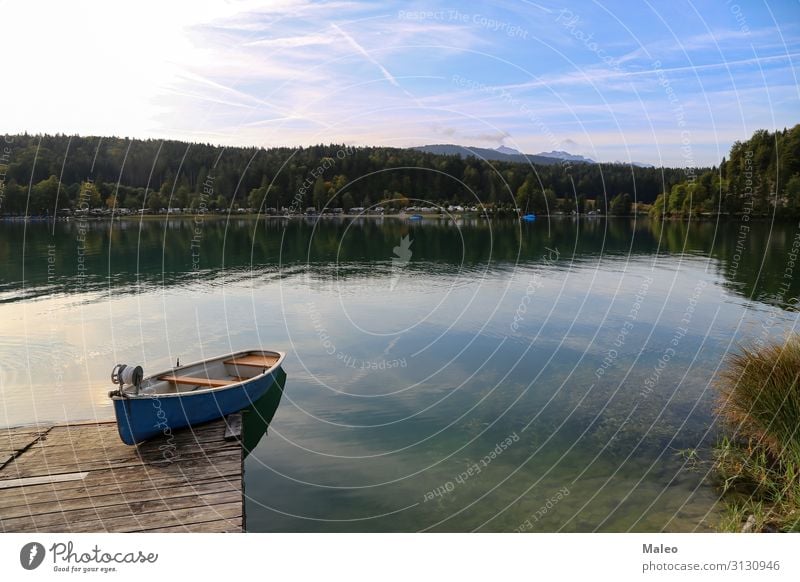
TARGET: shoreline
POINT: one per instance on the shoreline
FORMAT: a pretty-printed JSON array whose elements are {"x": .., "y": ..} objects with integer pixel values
[{"x": 399, "y": 216}]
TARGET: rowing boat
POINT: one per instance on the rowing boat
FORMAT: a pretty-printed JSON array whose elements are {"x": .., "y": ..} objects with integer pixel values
[{"x": 191, "y": 394}]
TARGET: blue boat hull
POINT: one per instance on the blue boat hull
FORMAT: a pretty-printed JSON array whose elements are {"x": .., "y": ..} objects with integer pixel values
[{"x": 142, "y": 418}]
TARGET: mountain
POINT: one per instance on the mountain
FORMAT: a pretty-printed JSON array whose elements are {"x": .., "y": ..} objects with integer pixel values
[
  {"x": 502, "y": 154},
  {"x": 562, "y": 155},
  {"x": 637, "y": 164},
  {"x": 508, "y": 150},
  {"x": 507, "y": 154}
]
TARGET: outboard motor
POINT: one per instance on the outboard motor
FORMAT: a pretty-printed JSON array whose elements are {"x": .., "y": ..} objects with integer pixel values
[{"x": 126, "y": 375}]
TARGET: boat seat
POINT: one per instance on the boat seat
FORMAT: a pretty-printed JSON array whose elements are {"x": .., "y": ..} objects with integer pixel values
[
  {"x": 208, "y": 382},
  {"x": 256, "y": 360}
]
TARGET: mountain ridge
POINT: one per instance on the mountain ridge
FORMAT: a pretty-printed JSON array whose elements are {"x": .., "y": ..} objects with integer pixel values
[
  {"x": 506, "y": 154},
  {"x": 447, "y": 149}
]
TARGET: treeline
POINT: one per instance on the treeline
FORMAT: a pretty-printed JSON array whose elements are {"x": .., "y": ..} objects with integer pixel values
[
  {"x": 761, "y": 177},
  {"x": 42, "y": 174}
]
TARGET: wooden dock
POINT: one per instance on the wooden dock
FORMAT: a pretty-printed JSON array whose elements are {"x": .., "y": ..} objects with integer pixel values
[{"x": 82, "y": 478}]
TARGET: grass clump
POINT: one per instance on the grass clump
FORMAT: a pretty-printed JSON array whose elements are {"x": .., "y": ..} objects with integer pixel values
[{"x": 759, "y": 463}]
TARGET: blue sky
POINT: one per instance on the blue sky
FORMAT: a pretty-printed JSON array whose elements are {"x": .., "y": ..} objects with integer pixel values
[{"x": 672, "y": 83}]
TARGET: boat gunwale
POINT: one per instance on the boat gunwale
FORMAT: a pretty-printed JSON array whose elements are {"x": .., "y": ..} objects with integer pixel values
[{"x": 199, "y": 391}]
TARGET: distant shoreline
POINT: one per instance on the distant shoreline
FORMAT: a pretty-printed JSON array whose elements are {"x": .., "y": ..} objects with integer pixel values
[{"x": 400, "y": 216}]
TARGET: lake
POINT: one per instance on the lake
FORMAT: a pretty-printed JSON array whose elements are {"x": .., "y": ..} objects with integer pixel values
[{"x": 441, "y": 375}]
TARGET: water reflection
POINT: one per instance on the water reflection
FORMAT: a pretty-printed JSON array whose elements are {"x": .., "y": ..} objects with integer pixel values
[
  {"x": 257, "y": 416},
  {"x": 131, "y": 256}
]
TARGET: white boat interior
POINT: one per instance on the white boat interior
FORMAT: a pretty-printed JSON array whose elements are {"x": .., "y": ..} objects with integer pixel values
[{"x": 213, "y": 374}]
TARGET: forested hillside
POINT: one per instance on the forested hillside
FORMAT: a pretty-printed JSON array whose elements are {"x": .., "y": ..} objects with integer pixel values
[
  {"x": 761, "y": 176},
  {"x": 45, "y": 173}
]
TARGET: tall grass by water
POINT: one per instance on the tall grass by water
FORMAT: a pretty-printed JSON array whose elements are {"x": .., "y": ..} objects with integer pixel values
[{"x": 758, "y": 461}]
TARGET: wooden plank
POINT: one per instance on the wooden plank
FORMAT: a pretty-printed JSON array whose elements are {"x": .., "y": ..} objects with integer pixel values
[
  {"x": 151, "y": 450},
  {"x": 16, "y": 443},
  {"x": 38, "y": 480},
  {"x": 111, "y": 437},
  {"x": 103, "y": 499},
  {"x": 49, "y": 494},
  {"x": 218, "y": 526},
  {"x": 20, "y": 430},
  {"x": 178, "y": 439},
  {"x": 194, "y": 381},
  {"x": 136, "y": 509},
  {"x": 197, "y": 486},
  {"x": 73, "y": 423},
  {"x": 233, "y": 427},
  {"x": 229, "y": 467},
  {"x": 24, "y": 431},
  {"x": 259, "y": 361},
  {"x": 88, "y": 462},
  {"x": 88, "y": 425},
  {"x": 33, "y": 468},
  {"x": 225, "y": 469},
  {"x": 185, "y": 469},
  {"x": 145, "y": 477},
  {"x": 146, "y": 454},
  {"x": 119, "y": 458},
  {"x": 52, "y": 469},
  {"x": 109, "y": 485},
  {"x": 162, "y": 519},
  {"x": 82, "y": 435}
]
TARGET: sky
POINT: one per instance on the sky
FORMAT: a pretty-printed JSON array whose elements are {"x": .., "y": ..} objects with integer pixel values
[{"x": 670, "y": 83}]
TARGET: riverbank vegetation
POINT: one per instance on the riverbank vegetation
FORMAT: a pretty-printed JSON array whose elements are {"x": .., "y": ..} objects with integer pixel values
[
  {"x": 760, "y": 177},
  {"x": 758, "y": 462}
]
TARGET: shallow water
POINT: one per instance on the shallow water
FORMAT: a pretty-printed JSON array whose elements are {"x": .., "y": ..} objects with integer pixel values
[{"x": 476, "y": 376}]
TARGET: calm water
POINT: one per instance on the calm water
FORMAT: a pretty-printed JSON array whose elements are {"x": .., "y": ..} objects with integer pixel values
[{"x": 473, "y": 376}]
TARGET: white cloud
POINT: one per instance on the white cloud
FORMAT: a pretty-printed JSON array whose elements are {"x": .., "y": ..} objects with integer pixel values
[{"x": 360, "y": 49}]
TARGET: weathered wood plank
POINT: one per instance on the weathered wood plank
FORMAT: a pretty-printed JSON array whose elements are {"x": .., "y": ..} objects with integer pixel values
[
  {"x": 25, "y": 497},
  {"x": 109, "y": 437},
  {"x": 188, "y": 481},
  {"x": 38, "y": 480},
  {"x": 24, "y": 430},
  {"x": 98, "y": 500},
  {"x": 178, "y": 438},
  {"x": 58, "y": 455},
  {"x": 13, "y": 444},
  {"x": 153, "y": 475},
  {"x": 17, "y": 469},
  {"x": 162, "y": 519},
  {"x": 17, "y": 443},
  {"x": 229, "y": 525},
  {"x": 34, "y": 469},
  {"x": 138, "y": 509}
]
